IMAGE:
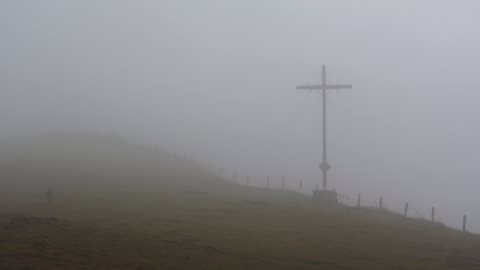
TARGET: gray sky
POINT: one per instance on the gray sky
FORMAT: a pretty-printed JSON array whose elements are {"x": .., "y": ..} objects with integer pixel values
[{"x": 216, "y": 80}]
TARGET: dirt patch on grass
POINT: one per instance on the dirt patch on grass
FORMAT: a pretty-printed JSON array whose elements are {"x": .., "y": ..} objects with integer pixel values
[{"x": 17, "y": 221}]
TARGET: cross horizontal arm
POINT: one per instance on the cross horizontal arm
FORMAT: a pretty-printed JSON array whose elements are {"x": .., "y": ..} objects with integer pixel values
[{"x": 327, "y": 87}]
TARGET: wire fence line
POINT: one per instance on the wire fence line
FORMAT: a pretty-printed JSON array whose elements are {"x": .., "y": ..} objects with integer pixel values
[
  {"x": 410, "y": 210},
  {"x": 282, "y": 184}
]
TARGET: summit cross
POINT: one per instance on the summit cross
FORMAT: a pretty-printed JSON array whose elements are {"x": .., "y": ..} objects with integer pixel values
[{"x": 324, "y": 166}]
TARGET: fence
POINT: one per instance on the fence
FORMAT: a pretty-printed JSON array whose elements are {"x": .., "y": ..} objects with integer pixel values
[{"x": 343, "y": 199}]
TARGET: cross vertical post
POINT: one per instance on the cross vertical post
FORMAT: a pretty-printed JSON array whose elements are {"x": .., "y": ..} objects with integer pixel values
[
  {"x": 324, "y": 166},
  {"x": 324, "y": 128}
]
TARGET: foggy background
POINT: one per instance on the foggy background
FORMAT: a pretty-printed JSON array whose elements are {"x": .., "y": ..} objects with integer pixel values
[{"x": 215, "y": 80}]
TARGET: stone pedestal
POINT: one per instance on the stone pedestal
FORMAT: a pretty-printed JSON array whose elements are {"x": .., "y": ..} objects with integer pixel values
[{"x": 325, "y": 197}]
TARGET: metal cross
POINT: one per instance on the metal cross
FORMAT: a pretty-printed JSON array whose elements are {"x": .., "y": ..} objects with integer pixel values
[{"x": 324, "y": 166}]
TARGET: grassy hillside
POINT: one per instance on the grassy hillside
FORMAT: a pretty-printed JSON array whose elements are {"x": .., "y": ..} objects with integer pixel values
[
  {"x": 133, "y": 212},
  {"x": 71, "y": 164}
]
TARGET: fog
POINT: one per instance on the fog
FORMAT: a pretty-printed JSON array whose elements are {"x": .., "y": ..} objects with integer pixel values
[{"x": 215, "y": 81}]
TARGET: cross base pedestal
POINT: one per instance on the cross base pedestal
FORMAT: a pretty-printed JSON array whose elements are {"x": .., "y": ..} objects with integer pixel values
[{"x": 325, "y": 197}]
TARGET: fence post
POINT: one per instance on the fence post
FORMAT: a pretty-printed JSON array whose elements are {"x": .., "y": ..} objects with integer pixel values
[
  {"x": 433, "y": 214},
  {"x": 300, "y": 187},
  {"x": 247, "y": 182},
  {"x": 49, "y": 195},
  {"x": 235, "y": 176},
  {"x": 358, "y": 200},
  {"x": 464, "y": 226},
  {"x": 381, "y": 203},
  {"x": 406, "y": 210}
]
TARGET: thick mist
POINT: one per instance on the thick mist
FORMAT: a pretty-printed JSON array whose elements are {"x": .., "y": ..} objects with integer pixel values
[{"x": 215, "y": 81}]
